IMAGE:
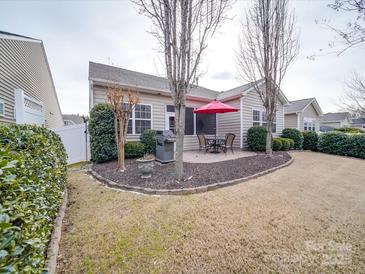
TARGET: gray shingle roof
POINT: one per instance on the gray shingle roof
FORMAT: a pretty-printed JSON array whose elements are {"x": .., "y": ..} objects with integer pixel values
[
  {"x": 133, "y": 78},
  {"x": 297, "y": 105},
  {"x": 336, "y": 116},
  {"x": 358, "y": 121},
  {"x": 17, "y": 35},
  {"x": 77, "y": 119}
]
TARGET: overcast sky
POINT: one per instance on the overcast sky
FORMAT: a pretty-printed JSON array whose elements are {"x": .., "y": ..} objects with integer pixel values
[{"x": 112, "y": 32}]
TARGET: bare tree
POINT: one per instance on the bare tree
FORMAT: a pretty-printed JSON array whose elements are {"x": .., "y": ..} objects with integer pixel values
[
  {"x": 354, "y": 99},
  {"x": 182, "y": 28},
  {"x": 268, "y": 45},
  {"x": 354, "y": 33},
  {"x": 122, "y": 103}
]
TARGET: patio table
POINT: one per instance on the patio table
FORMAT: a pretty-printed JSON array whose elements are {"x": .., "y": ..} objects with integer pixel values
[{"x": 215, "y": 142}]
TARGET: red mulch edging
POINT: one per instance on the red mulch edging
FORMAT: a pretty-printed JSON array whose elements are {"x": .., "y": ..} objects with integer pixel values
[{"x": 204, "y": 176}]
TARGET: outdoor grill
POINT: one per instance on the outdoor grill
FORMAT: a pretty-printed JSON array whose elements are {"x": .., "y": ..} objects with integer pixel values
[{"x": 165, "y": 140}]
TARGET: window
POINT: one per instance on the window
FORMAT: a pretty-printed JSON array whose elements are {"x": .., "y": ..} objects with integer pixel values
[
  {"x": 259, "y": 119},
  {"x": 197, "y": 124},
  {"x": 205, "y": 124},
  {"x": 256, "y": 118},
  {"x": 2, "y": 108},
  {"x": 189, "y": 121},
  {"x": 140, "y": 120},
  {"x": 309, "y": 124}
]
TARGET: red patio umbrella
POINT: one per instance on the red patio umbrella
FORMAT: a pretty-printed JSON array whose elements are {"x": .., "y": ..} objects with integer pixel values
[{"x": 215, "y": 107}]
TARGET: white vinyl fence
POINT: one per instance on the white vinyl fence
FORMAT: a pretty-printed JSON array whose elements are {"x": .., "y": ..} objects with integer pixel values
[{"x": 76, "y": 141}]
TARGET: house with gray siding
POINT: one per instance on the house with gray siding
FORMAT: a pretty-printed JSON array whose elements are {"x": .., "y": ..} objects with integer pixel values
[
  {"x": 156, "y": 111},
  {"x": 335, "y": 120},
  {"x": 27, "y": 91},
  {"x": 303, "y": 115}
]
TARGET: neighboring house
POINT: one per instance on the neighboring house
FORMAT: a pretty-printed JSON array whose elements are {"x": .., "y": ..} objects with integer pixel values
[
  {"x": 335, "y": 120},
  {"x": 72, "y": 119},
  {"x": 156, "y": 110},
  {"x": 303, "y": 114},
  {"x": 27, "y": 92},
  {"x": 358, "y": 122}
]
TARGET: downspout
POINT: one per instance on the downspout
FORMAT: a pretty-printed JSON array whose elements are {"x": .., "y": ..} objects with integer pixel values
[{"x": 241, "y": 122}]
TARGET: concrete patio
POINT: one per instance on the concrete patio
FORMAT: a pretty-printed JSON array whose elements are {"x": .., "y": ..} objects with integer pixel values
[{"x": 194, "y": 156}]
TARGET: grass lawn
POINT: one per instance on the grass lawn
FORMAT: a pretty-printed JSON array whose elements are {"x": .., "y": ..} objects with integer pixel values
[{"x": 308, "y": 217}]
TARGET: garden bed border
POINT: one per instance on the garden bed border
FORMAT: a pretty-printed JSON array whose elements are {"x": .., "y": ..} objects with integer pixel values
[
  {"x": 183, "y": 191},
  {"x": 54, "y": 244}
]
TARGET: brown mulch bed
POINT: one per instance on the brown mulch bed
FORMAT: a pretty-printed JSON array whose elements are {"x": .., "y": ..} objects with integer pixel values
[{"x": 195, "y": 174}]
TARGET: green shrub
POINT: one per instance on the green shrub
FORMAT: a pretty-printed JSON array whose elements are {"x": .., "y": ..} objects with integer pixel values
[
  {"x": 102, "y": 134},
  {"x": 310, "y": 140},
  {"x": 148, "y": 139},
  {"x": 276, "y": 144},
  {"x": 33, "y": 176},
  {"x": 333, "y": 142},
  {"x": 349, "y": 130},
  {"x": 291, "y": 141},
  {"x": 356, "y": 146},
  {"x": 340, "y": 143},
  {"x": 295, "y": 135},
  {"x": 285, "y": 143},
  {"x": 256, "y": 138},
  {"x": 134, "y": 149}
]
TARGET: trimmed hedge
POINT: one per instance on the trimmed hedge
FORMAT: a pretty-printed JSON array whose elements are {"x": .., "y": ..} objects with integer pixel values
[
  {"x": 33, "y": 176},
  {"x": 340, "y": 143},
  {"x": 349, "y": 130},
  {"x": 310, "y": 140},
  {"x": 285, "y": 143},
  {"x": 276, "y": 144},
  {"x": 102, "y": 134},
  {"x": 148, "y": 139},
  {"x": 134, "y": 149},
  {"x": 256, "y": 138},
  {"x": 295, "y": 135},
  {"x": 291, "y": 141}
]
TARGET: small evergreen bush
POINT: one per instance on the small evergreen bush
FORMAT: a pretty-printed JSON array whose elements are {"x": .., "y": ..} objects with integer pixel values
[
  {"x": 102, "y": 134},
  {"x": 276, "y": 144},
  {"x": 148, "y": 139},
  {"x": 295, "y": 135},
  {"x": 256, "y": 138},
  {"x": 134, "y": 149},
  {"x": 310, "y": 140},
  {"x": 349, "y": 130},
  {"x": 285, "y": 143}
]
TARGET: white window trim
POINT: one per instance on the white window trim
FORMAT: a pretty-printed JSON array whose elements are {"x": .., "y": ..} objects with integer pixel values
[
  {"x": 311, "y": 122},
  {"x": 133, "y": 118},
  {"x": 261, "y": 121},
  {"x": 3, "y": 103}
]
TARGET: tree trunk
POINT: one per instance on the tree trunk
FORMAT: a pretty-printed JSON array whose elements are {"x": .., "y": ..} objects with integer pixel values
[
  {"x": 116, "y": 131},
  {"x": 269, "y": 138},
  {"x": 180, "y": 133},
  {"x": 121, "y": 142}
]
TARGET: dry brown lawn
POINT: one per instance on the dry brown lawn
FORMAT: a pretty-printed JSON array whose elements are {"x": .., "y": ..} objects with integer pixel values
[{"x": 308, "y": 217}]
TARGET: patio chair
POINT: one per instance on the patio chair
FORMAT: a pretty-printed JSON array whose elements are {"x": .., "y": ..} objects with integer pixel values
[
  {"x": 228, "y": 143},
  {"x": 203, "y": 143}
]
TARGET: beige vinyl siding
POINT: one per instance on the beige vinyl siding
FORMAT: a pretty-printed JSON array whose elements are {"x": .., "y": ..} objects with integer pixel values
[
  {"x": 252, "y": 101},
  {"x": 230, "y": 122},
  {"x": 309, "y": 112},
  {"x": 291, "y": 120},
  {"x": 159, "y": 103},
  {"x": 23, "y": 65}
]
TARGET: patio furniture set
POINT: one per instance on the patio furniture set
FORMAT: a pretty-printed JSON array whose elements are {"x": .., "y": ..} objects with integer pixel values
[{"x": 216, "y": 144}]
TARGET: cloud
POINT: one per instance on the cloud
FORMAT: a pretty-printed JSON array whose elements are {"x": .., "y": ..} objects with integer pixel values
[{"x": 75, "y": 32}]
